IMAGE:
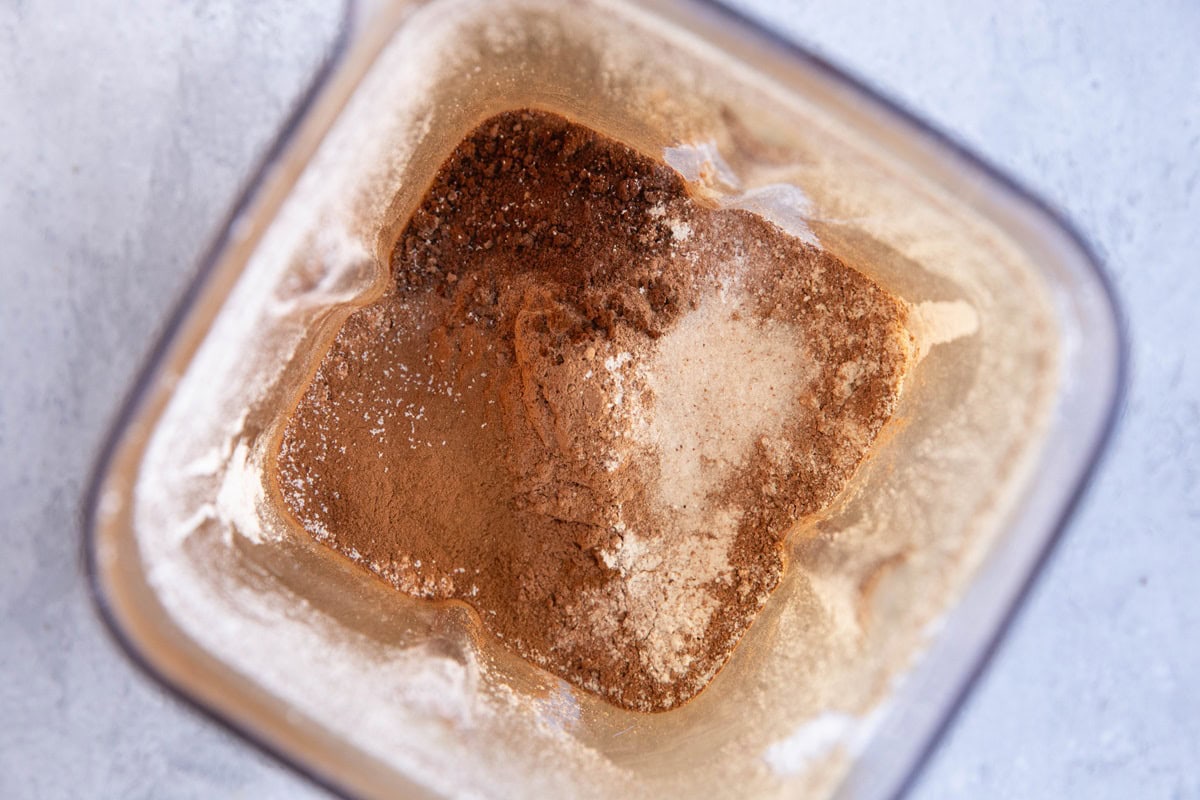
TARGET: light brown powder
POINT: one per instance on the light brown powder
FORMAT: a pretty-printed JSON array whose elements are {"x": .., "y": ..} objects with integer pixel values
[{"x": 591, "y": 408}]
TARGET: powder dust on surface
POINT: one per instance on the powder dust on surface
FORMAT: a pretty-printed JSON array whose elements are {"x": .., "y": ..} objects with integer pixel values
[{"x": 592, "y": 407}]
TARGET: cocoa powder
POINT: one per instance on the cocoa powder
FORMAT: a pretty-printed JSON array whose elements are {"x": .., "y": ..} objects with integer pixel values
[{"x": 592, "y": 408}]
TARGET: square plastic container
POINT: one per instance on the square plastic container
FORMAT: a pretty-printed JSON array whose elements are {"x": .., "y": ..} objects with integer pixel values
[{"x": 892, "y": 597}]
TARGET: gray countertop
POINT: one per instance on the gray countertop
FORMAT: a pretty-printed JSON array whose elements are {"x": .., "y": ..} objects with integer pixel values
[{"x": 126, "y": 129}]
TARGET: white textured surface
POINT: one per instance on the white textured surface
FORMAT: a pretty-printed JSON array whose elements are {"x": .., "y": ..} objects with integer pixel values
[{"x": 126, "y": 128}]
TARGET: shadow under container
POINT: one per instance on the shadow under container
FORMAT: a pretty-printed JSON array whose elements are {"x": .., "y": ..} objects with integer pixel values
[{"x": 893, "y": 596}]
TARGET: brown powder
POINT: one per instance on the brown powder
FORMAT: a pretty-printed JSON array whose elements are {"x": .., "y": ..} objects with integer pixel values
[{"x": 591, "y": 408}]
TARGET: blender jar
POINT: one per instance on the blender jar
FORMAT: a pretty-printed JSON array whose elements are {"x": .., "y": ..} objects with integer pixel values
[{"x": 892, "y": 596}]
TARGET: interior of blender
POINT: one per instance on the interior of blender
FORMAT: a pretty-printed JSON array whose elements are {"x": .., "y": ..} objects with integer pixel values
[{"x": 417, "y": 686}]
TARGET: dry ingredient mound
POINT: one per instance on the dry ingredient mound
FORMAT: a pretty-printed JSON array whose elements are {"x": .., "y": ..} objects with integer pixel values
[{"x": 591, "y": 408}]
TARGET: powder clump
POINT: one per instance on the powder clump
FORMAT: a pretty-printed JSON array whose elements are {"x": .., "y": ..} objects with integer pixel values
[{"x": 592, "y": 408}]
